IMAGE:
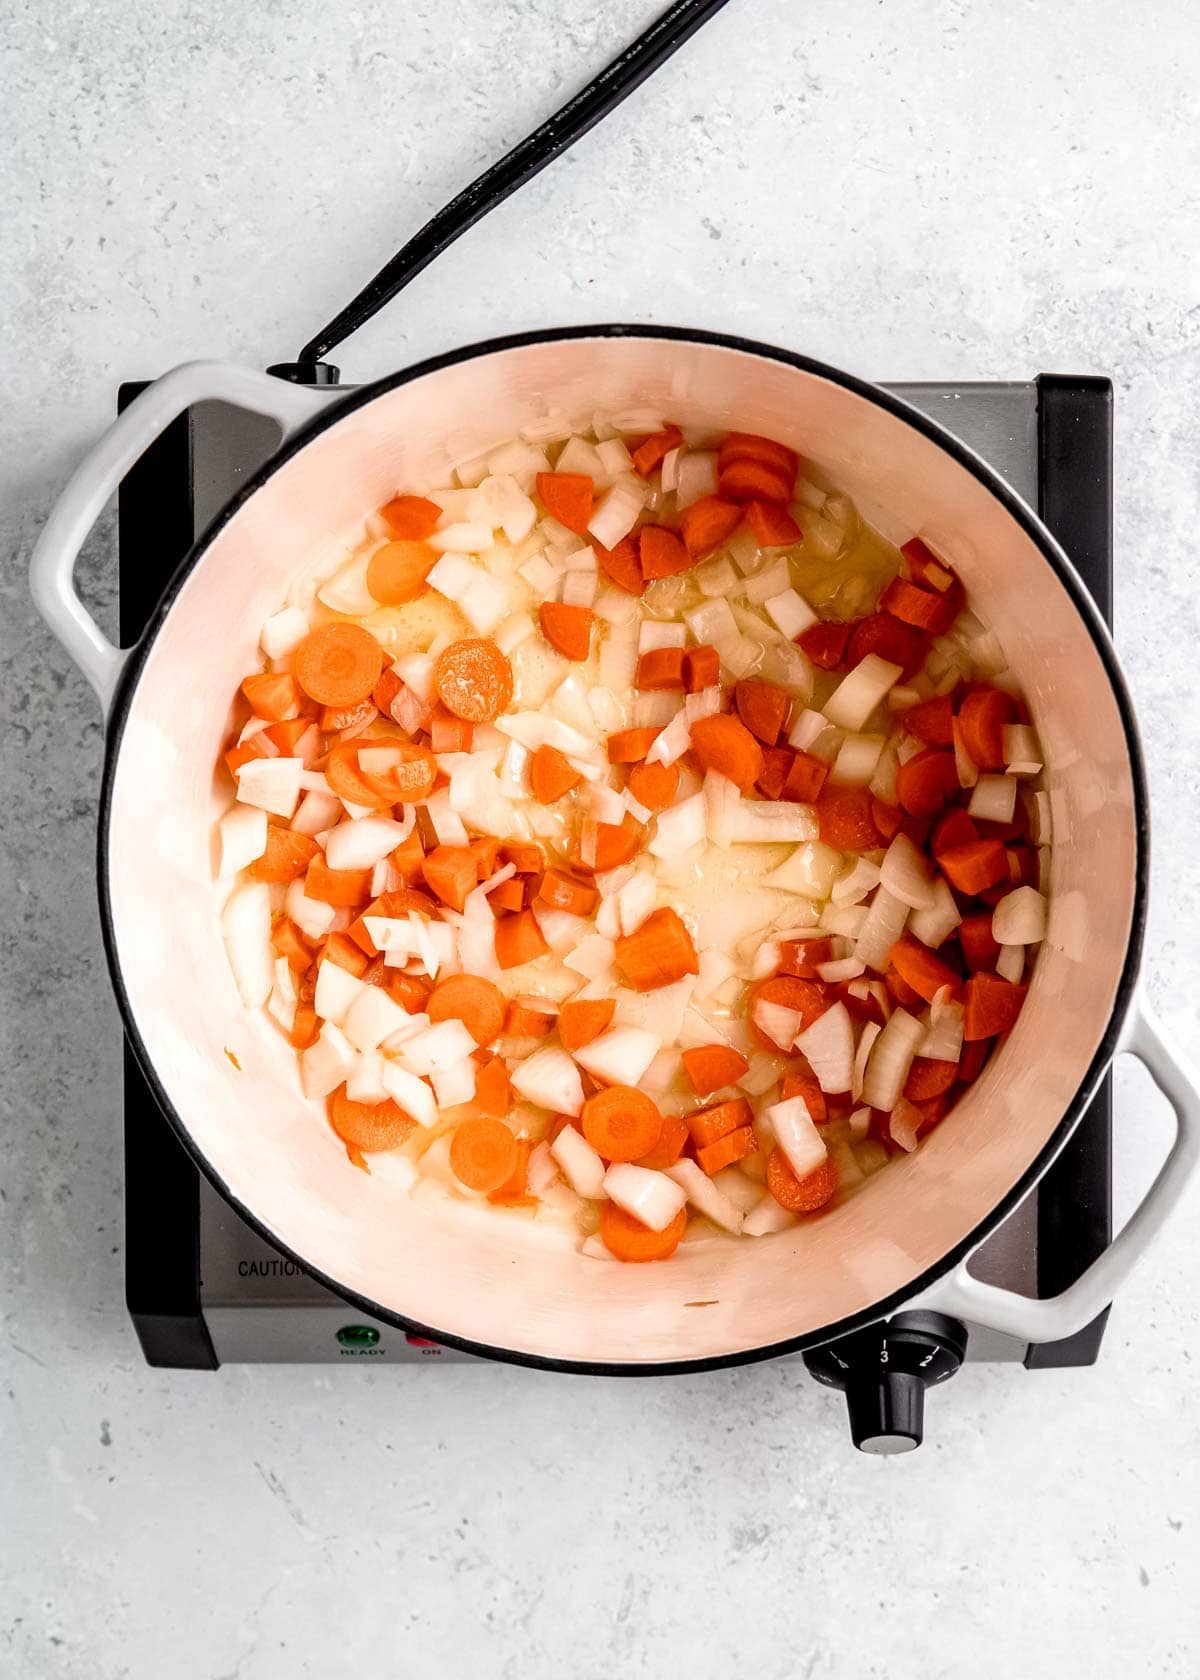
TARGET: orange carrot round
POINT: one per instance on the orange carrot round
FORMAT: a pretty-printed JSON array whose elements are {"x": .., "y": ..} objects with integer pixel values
[
  {"x": 981, "y": 720},
  {"x": 660, "y": 669},
  {"x": 622, "y": 565},
  {"x": 409, "y": 782},
  {"x": 568, "y": 498},
  {"x": 519, "y": 939},
  {"x": 621, "y": 1123},
  {"x": 396, "y": 572},
  {"x": 338, "y": 664},
  {"x": 335, "y": 718},
  {"x": 708, "y": 522},
  {"x": 670, "y": 1144},
  {"x": 709, "y": 1066},
  {"x": 346, "y": 779},
  {"x": 922, "y": 969},
  {"x": 567, "y": 628},
  {"x": 662, "y": 553},
  {"x": 806, "y": 997},
  {"x": 411, "y": 517},
  {"x": 580, "y": 1020},
  {"x": 477, "y": 1003},
  {"x": 845, "y": 818},
  {"x": 924, "y": 783},
  {"x": 763, "y": 708},
  {"x": 369, "y": 1126},
  {"x": 754, "y": 481},
  {"x": 551, "y": 775},
  {"x": 626, "y": 1238},
  {"x": 723, "y": 744},
  {"x": 772, "y": 525},
  {"x": 660, "y": 952},
  {"x": 733, "y": 1147},
  {"x": 748, "y": 446},
  {"x": 473, "y": 679},
  {"x": 800, "y": 1195},
  {"x": 884, "y": 635},
  {"x": 493, "y": 1093},
  {"x": 483, "y": 1154},
  {"x": 654, "y": 785},
  {"x": 272, "y": 695},
  {"x": 929, "y": 1078},
  {"x": 649, "y": 453},
  {"x": 630, "y": 746},
  {"x": 287, "y": 856},
  {"x": 451, "y": 872}
]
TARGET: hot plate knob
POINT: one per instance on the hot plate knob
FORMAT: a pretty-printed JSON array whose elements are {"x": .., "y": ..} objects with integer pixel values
[{"x": 884, "y": 1372}]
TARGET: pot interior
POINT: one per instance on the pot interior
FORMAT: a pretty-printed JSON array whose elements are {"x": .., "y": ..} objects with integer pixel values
[{"x": 512, "y": 1283}]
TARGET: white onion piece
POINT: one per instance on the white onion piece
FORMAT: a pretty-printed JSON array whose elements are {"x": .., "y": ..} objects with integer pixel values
[
  {"x": 903, "y": 1124},
  {"x": 829, "y": 1045},
  {"x": 866, "y": 1041},
  {"x": 445, "y": 1044},
  {"x": 579, "y": 1163},
  {"x": 328, "y": 1063},
  {"x": 886, "y": 916},
  {"x": 310, "y": 915},
  {"x": 372, "y": 1017},
  {"x": 1020, "y": 918},
  {"x": 365, "y": 1082},
  {"x": 465, "y": 537},
  {"x": 635, "y": 900},
  {"x": 679, "y": 828},
  {"x": 857, "y": 758},
  {"x": 361, "y": 844},
  {"x": 651, "y": 1197},
  {"x": 550, "y": 1079},
  {"x": 715, "y": 968},
  {"x": 540, "y": 575},
  {"x": 672, "y": 742},
  {"x": 579, "y": 589},
  {"x": 243, "y": 837},
  {"x": 844, "y": 919},
  {"x": 794, "y": 1131},
  {"x": 739, "y": 654},
  {"x": 883, "y": 780},
  {"x": 707, "y": 703},
  {"x": 778, "y": 1023},
  {"x": 413, "y": 1025},
  {"x": 906, "y": 873},
  {"x": 713, "y": 621},
  {"x": 410, "y": 1094},
  {"x": 767, "y": 1217},
  {"x": 246, "y": 929},
  {"x": 454, "y": 1085},
  {"x": 448, "y": 826},
  {"x": 283, "y": 631},
  {"x": 841, "y": 968},
  {"x": 791, "y": 614},
  {"x": 657, "y": 633},
  {"x": 1010, "y": 964},
  {"x": 714, "y": 579},
  {"x": 774, "y": 579},
  {"x": 862, "y": 879},
  {"x": 670, "y": 470},
  {"x": 615, "y": 514},
  {"x": 619, "y": 1056},
  {"x": 704, "y": 1195},
  {"x": 935, "y": 922},
  {"x": 346, "y": 591},
  {"x": 273, "y": 784},
  {"x": 891, "y": 1058},
  {"x": 281, "y": 1005},
  {"x": 943, "y": 1040},
  {"x": 415, "y": 671},
  {"x": 542, "y": 1170},
  {"x": 654, "y": 710},
  {"x": 859, "y": 1123},
  {"x": 968, "y": 773},
  {"x": 579, "y": 456},
  {"x": 994, "y": 799},
  {"x": 618, "y": 664},
  {"x": 695, "y": 476},
  {"x": 810, "y": 871},
  {"x": 336, "y": 990},
  {"x": 860, "y": 691}
]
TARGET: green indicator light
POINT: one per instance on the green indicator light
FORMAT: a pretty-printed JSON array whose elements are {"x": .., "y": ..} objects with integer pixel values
[{"x": 358, "y": 1335}]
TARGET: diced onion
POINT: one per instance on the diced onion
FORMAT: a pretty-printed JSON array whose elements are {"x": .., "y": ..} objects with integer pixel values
[
  {"x": 243, "y": 837},
  {"x": 994, "y": 799},
  {"x": 797, "y": 1135},
  {"x": 713, "y": 621},
  {"x": 935, "y": 922},
  {"x": 704, "y": 1195},
  {"x": 360, "y": 844},
  {"x": 862, "y": 879},
  {"x": 651, "y": 1197},
  {"x": 283, "y": 631},
  {"x": 246, "y": 929},
  {"x": 695, "y": 476},
  {"x": 615, "y": 514},
  {"x": 467, "y": 537},
  {"x": 581, "y": 1166},
  {"x": 619, "y": 1056},
  {"x": 372, "y": 1017},
  {"x": 767, "y": 1217},
  {"x": 792, "y": 615},
  {"x": 866, "y": 1041},
  {"x": 943, "y": 1040},
  {"x": 774, "y": 579},
  {"x": 860, "y": 691},
  {"x": 904, "y": 1123},
  {"x": 886, "y": 916},
  {"x": 891, "y": 1058},
  {"x": 714, "y": 579},
  {"x": 657, "y": 633},
  {"x": 843, "y": 968},
  {"x": 777, "y": 1023},
  {"x": 829, "y": 1045},
  {"x": 410, "y": 1094},
  {"x": 810, "y": 871},
  {"x": 310, "y": 915},
  {"x": 808, "y": 727},
  {"x": 906, "y": 874},
  {"x": 1010, "y": 964},
  {"x": 964, "y": 764},
  {"x": 856, "y": 760},
  {"x": 326, "y": 1064},
  {"x": 1020, "y": 918},
  {"x": 273, "y": 784}
]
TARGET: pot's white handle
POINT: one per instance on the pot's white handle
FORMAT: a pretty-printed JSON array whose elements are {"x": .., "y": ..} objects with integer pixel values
[
  {"x": 963, "y": 1296},
  {"x": 52, "y": 568}
]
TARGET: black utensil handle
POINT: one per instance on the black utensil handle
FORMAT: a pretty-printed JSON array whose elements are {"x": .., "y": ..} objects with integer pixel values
[{"x": 601, "y": 95}]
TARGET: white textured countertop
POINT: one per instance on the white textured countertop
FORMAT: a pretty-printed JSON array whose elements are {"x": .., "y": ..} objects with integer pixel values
[{"x": 913, "y": 190}]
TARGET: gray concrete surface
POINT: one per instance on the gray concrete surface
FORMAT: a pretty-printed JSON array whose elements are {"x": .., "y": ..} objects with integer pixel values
[{"x": 911, "y": 189}]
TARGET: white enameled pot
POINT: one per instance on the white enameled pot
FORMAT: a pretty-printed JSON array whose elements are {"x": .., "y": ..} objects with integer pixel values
[{"x": 504, "y": 1286}]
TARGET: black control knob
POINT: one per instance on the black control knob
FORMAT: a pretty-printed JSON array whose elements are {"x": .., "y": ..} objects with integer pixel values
[{"x": 884, "y": 1372}]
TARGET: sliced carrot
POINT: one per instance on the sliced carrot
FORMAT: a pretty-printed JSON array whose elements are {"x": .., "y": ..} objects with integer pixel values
[
  {"x": 386, "y": 691},
  {"x": 407, "y": 859},
  {"x": 708, "y": 522},
  {"x": 981, "y": 719},
  {"x": 551, "y": 775},
  {"x": 621, "y": 1123},
  {"x": 926, "y": 782},
  {"x": 709, "y": 1066},
  {"x": 622, "y": 565},
  {"x": 483, "y": 1153},
  {"x": 800, "y": 1195},
  {"x": 304, "y": 1027},
  {"x": 971, "y": 1062},
  {"x": 976, "y": 866},
  {"x": 658, "y": 954},
  {"x": 274, "y": 695},
  {"x": 777, "y": 765},
  {"x": 885, "y": 636},
  {"x": 754, "y": 481},
  {"x": 567, "y": 497},
  {"x": 671, "y": 1140},
  {"x": 990, "y": 1006},
  {"x": 612, "y": 844},
  {"x": 559, "y": 891},
  {"x": 650, "y": 452},
  {"x": 922, "y": 969},
  {"x": 288, "y": 732},
  {"x": 527, "y": 857},
  {"x": 888, "y": 819},
  {"x": 336, "y": 718},
  {"x": 580, "y": 1020},
  {"x": 980, "y": 950},
  {"x": 345, "y": 778},
  {"x": 410, "y": 781},
  {"x": 929, "y": 1078},
  {"x": 805, "y": 779},
  {"x": 825, "y": 644},
  {"x": 369, "y": 1126},
  {"x": 513, "y": 1192},
  {"x": 662, "y": 553},
  {"x": 287, "y": 941},
  {"x": 955, "y": 828},
  {"x": 448, "y": 733},
  {"x": 806, "y": 997},
  {"x": 411, "y": 517},
  {"x": 772, "y": 525},
  {"x": 410, "y": 991},
  {"x": 626, "y": 1238},
  {"x": 630, "y": 746},
  {"x": 800, "y": 957},
  {"x": 509, "y": 895},
  {"x": 763, "y": 708},
  {"x": 451, "y": 874},
  {"x": 477, "y": 1003},
  {"x": 485, "y": 849},
  {"x": 473, "y": 679},
  {"x": 706, "y": 1125},
  {"x": 519, "y": 939},
  {"x": 845, "y": 818},
  {"x": 929, "y": 571},
  {"x": 748, "y": 446},
  {"x": 901, "y": 990},
  {"x": 734, "y": 1146},
  {"x": 493, "y": 1093},
  {"x": 345, "y": 889},
  {"x": 396, "y": 572},
  {"x": 339, "y": 948},
  {"x": 931, "y": 721},
  {"x": 660, "y": 669},
  {"x": 567, "y": 628},
  {"x": 286, "y": 858},
  {"x": 701, "y": 668},
  {"x": 654, "y": 785},
  {"x": 924, "y": 609},
  {"x": 803, "y": 1082},
  {"x": 338, "y": 664},
  {"x": 523, "y": 1020},
  {"x": 723, "y": 744}
]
